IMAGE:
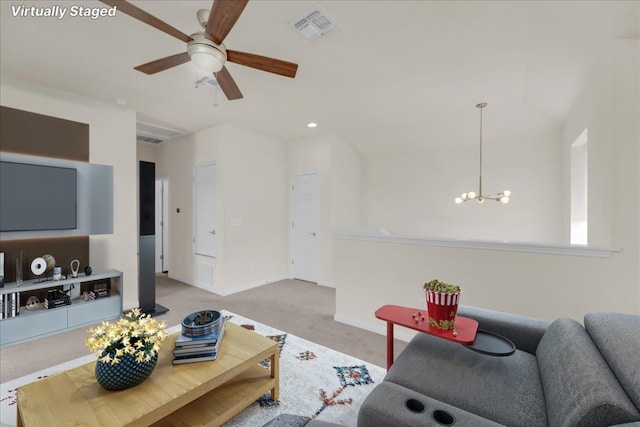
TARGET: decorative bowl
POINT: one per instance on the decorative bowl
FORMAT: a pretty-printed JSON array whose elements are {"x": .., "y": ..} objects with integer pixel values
[{"x": 203, "y": 322}]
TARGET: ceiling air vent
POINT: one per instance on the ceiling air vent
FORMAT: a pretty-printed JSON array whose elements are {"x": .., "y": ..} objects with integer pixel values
[
  {"x": 315, "y": 24},
  {"x": 148, "y": 139},
  {"x": 151, "y": 132}
]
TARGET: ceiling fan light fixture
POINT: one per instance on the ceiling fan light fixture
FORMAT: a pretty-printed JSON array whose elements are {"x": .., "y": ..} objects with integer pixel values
[
  {"x": 207, "y": 62},
  {"x": 205, "y": 54}
]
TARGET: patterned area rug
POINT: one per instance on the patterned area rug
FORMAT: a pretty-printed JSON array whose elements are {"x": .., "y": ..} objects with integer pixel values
[{"x": 315, "y": 382}]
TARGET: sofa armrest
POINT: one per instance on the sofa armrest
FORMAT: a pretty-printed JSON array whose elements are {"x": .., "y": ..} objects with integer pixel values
[
  {"x": 525, "y": 332},
  {"x": 390, "y": 404},
  {"x": 617, "y": 337}
]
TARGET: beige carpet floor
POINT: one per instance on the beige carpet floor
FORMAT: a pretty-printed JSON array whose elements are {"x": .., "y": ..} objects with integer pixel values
[{"x": 297, "y": 307}]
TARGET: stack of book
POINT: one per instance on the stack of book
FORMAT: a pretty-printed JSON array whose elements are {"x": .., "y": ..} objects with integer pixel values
[
  {"x": 99, "y": 293},
  {"x": 197, "y": 349},
  {"x": 56, "y": 299},
  {"x": 9, "y": 305}
]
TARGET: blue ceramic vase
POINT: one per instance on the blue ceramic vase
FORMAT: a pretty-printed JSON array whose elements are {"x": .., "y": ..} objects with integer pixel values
[{"x": 125, "y": 374}]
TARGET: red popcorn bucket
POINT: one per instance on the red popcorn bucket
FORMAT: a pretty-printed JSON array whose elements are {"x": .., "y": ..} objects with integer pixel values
[{"x": 442, "y": 309}]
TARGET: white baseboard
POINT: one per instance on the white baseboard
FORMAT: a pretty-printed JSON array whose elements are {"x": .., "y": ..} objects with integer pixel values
[
  {"x": 319, "y": 282},
  {"x": 128, "y": 305},
  {"x": 180, "y": 279},
  {"x": 235, "y": 289},
  {"x": 248, "y": 286},
  {"x": 326, "y": 284},
  {"x": 379, "y": 327}
]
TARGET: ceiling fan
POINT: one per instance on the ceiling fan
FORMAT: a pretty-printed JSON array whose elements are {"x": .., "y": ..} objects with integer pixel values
[{"x": 205, "y": 48}]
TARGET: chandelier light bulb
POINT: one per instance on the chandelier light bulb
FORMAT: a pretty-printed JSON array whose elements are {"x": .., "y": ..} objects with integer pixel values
[
  {"x": 458, "y": 200},
  {"x": 464, "y": 196},
  {"x": 504, "y": 200},
  {"x": 507, "y": 193},
  {"x": 481, "y": 200},
  {"x": 472, "y": 195}
]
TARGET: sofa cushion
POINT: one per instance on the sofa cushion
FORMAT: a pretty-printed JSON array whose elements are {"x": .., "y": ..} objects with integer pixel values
[
  {"x": 506, "y": 390},
  {"x": 617, "y": 336},
  {"x": 579, "y": 388}
]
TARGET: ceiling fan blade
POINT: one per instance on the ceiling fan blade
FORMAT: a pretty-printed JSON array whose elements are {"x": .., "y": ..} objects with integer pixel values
[
  {"x": 147, "y": 18},
  {"x": 272, "y": 65},
  {"x": 228, "y": 85},
  {"x": 164, "y": 63},
  {"x": 223, "y": 16}
]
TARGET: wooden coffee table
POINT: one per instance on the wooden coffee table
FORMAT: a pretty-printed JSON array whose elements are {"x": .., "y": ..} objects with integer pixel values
[{"x": 204, "y": 393}]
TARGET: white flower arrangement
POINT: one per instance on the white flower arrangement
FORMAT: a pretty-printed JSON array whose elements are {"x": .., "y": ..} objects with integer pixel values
[{"x": 137, "y": 334}]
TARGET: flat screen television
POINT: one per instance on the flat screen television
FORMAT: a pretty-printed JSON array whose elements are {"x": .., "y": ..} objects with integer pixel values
[{"x": 37, "y": 197}]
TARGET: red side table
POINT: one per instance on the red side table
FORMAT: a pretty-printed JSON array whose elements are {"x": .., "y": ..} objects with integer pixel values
[{"x": 464, "y": 331}]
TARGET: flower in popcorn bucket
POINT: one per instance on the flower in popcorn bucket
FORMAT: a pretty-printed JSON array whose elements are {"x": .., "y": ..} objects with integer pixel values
[
  {"x": 442, "y": 303},
  {"x": 137, "y": 334},
  {"x": 446, "y": 288}
]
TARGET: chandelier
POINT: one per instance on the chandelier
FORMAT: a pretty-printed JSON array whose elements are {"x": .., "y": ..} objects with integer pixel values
[{"x": 502, "y": 197}]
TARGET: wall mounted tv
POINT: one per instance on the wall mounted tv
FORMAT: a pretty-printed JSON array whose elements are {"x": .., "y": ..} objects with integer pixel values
[{"x": 37, "y": 197}]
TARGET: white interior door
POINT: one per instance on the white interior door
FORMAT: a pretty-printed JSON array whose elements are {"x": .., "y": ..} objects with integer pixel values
[
  {"x": 162, "y": 225},
  {"x": 205, "y": 241},
  {"x": 305, "y": 205}
]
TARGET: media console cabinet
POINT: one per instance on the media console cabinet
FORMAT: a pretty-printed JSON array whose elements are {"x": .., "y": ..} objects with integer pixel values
[{"x": 39, "y": 322}]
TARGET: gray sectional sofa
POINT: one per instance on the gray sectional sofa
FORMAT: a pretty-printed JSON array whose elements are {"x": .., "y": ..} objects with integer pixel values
[{"x": 562, "y": 374}]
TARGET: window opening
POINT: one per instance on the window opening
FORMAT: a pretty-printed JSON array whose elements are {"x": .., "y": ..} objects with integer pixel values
[{"x": 579, "y": 189}]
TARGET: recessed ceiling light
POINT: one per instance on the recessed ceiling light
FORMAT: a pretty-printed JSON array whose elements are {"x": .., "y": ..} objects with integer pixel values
[
  {"x": 312, "y": 125},
  {"x": 121, "y": 102}
]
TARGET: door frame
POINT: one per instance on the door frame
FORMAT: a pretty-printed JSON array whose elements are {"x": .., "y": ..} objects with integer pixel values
[
  {"x": 162, "y": 215},
  {"x": 319, "y": 235},
  {"x": 194, "y": 211}
]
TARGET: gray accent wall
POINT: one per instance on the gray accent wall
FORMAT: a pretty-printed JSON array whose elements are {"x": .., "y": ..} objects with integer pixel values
[{"x": 94, "y": 203}]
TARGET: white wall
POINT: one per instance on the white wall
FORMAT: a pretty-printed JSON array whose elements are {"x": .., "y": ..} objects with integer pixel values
[
  {"x": 413, "y": 192},
  {"x": 346, "y": 185},
  {"x": 340, "y": 173},
  {"x": 175, "y": 160},
  {"x": 254, "y": 174},
  {"x": 254, "y": 194},
  {"x": 112, "y": 141},
  {"x": 252, "y": 191},
  {"x": 146, "y": 151},
  {"x": 540, "y": 285}
]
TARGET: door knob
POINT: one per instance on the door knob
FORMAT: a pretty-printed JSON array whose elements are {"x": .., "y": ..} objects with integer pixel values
[{"x": 212, "y": 232}]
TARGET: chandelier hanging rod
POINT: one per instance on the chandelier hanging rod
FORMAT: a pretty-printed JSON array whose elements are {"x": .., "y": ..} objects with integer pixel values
[{"x": 503, "y": 197}]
